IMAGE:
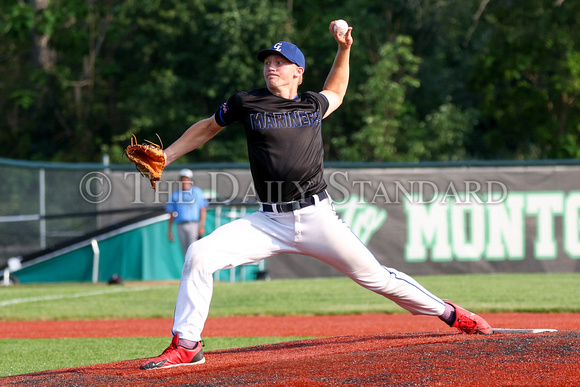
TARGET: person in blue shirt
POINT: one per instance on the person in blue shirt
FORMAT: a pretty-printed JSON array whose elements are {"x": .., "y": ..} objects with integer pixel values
[{"x": 187, "y": 208}]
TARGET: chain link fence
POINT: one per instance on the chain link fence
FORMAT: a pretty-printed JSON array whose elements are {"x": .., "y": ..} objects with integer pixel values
[
  {"x": 47, "y": 204},
  {"x": 41, "y": 206}
]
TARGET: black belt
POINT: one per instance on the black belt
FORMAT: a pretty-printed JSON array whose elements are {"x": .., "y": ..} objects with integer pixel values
[{"x": 291, "y": 206}]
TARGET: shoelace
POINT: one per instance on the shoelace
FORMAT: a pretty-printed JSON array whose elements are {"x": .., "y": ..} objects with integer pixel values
[
  {"x": 467, "y": 325},
  {"x": 170, "y": 348}
]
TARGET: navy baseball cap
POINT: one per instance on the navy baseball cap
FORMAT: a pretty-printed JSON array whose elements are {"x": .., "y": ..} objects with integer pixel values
[{"x": 287, "y": 50}]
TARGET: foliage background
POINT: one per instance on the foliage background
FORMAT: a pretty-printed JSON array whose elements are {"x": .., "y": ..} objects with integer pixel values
[{"x": 431, "y": 80}]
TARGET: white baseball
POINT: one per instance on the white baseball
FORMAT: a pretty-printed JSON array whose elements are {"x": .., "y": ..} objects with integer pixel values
[{"x": 341, "y": 26}]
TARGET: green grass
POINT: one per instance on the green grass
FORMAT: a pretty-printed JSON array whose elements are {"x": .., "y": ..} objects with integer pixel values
[
  {"x": 22, "y": 356},
  {"x": 546, "y": 293}
]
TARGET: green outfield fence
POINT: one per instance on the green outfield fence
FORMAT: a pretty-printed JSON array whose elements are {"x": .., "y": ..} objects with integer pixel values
[
  {"x": 52, "y": 233},
  {"x": 70, "y": 213},
  {"x": 138, "y": 250}
]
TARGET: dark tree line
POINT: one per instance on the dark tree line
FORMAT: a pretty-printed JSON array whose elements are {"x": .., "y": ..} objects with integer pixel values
[{"x": 431, "y": 80}]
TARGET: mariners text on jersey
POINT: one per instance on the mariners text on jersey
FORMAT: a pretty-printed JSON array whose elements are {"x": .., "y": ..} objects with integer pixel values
[{"x": 296, "y": 119}]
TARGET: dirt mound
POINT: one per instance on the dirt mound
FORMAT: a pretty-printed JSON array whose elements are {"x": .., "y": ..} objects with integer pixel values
[
  {"x": 368, "y": 360},
  {"x": 362, "y": 350}
]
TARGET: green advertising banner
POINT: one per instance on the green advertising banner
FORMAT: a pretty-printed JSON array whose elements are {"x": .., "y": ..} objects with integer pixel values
[{"x": 430, "y": 220}]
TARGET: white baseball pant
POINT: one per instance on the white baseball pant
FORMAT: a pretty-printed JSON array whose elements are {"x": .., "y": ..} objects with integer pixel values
[{"x": 315, "y": 231}]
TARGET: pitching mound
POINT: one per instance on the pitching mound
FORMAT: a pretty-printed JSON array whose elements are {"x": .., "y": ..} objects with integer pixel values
[{"x": 421, "y": 358}]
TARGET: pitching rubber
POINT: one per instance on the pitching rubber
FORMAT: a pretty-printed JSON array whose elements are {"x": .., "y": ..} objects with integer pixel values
[{"x": 522, "y": 330}]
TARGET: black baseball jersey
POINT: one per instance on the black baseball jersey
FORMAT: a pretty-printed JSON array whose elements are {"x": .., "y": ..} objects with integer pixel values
[{"x": 284, "y": 141}]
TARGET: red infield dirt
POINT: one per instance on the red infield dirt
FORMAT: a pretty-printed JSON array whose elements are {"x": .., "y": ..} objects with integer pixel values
[{"x": 360, "y": 350}]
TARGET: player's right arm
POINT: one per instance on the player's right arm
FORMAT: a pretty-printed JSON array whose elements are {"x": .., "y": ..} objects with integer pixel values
[
  {"x": 194, "y": 137},
  {"x": 337, "y": 81}
]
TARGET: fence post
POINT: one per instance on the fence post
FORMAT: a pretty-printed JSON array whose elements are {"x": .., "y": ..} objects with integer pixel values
[
  {"x": 96, "y": 258},
  {"x": 42, "y": 205}
]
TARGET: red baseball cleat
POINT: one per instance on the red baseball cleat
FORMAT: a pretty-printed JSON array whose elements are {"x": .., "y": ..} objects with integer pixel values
[
  {"x": 468, "y": 322},
  {"x": 176, "y": 355}
]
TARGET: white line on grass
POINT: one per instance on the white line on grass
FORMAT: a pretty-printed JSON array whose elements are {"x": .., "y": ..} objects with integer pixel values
[{"x": 63, "y": 296}]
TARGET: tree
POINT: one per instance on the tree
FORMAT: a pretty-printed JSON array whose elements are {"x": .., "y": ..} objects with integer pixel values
[
  {"x": 430, "y": 79},
  {"x": 528, "y": 78},
  {"x": 193, "y": 55},
  {"x": 392, "y": 130},
  {"x": 385, "y": 106},
  {"x": 51, "y": 104},
  {"x": 17, "y": 93}
]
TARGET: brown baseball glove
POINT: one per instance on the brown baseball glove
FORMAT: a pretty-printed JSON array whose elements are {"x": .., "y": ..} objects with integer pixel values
[{"x": 148, "y": 158}]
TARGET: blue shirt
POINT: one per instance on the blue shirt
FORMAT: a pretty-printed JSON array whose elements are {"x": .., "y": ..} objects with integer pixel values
[{"x": 187, "y": 204}]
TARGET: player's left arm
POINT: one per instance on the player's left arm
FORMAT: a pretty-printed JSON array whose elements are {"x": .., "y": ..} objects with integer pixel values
[
  {"x": 194, "y": 137},
  {"x": 337, "y": 81}
]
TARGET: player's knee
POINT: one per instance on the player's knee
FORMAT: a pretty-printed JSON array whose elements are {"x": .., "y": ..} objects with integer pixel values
[{"x": 196, "y": 259}]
